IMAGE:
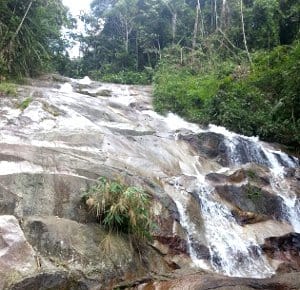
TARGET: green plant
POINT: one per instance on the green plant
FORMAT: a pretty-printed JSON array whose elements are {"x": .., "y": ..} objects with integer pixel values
[
  {"x": 7, "y": 88},
  {"x": 120, "y": 208},
  {"x": 251, "y": 174},
  {"x": 253, "y": 192},
  {"x": 22, "y": 106}
]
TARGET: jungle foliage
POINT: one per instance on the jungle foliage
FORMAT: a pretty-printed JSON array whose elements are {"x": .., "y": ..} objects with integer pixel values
[
  {"x": 262, "y": 100},
  {"x": 30, "y": 36}
]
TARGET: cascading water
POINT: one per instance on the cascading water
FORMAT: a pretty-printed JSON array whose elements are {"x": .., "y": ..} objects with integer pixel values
[
  {"x": 233, "y": 251},
  {"x": 291, "y": 204},
  {"x": 277, "y": 161},
  {"x": 231, "y": 254}
]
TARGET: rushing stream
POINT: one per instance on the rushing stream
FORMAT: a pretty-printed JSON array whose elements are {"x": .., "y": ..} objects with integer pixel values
[{"x": 120, "y": 130}]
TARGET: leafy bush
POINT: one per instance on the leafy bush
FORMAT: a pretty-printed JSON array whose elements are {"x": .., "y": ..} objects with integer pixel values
[
  {"x": 261, "y": 101},
  {"x": 253, "y": 192},
  {"x": 120, "y": 208},
  {"x": 181, "y": 91}
]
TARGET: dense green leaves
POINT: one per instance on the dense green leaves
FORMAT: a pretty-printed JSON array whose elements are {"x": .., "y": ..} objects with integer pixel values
[
  {"x": 129, "y": 35},
  {"x": 264, "y": 101},
  {"x": 30, "y": 35}
]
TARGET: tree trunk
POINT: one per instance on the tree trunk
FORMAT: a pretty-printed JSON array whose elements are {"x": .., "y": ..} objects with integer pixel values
[
  {"x": 174, "y": 26},
  {"x": 224, "y": 15},
  {"x": 159, "y": 49},
  {"x": 126, "y": 37},
  {"x": 202, "y": 30},
  {"x": 137, "y": 50},
  {"x": 216, "y": 14},
  {"x": 244, "y": 34},
  {"x": 22, "y": 21},
  {"x": 11, "y": 42},
  {"x": 196, "y": 25}
]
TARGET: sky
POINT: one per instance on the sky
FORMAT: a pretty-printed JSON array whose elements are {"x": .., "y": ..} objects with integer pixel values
[{"x": 75, "y": 7}]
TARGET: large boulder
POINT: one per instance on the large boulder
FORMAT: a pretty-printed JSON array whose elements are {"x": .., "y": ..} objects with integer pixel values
[
  {"x": 88, "y": 249},
  {"x": 50, "y": 280},
  {"x": 249, "y": 198},
  {"x": 202, "y": 281},
  {"x": 17, "y": 257},
  {"x": 209, "y": 144},
  {"x": 284, "y": 249}
]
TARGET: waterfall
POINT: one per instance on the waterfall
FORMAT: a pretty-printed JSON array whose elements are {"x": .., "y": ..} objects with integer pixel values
[
  {"x": 244, "y": 149},
  {"x": 291, "y": 204},
  {"x": 120, "y": 133},
  {"x": 233, "y": 251}
]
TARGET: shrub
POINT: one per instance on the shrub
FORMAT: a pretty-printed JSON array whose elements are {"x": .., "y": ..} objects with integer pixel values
[
  {"x": 120, "y": 208},
  {"x": 182, "y": 91},
  {"x": 262, "y": 101},
  {"x": 253, "y": 192}
]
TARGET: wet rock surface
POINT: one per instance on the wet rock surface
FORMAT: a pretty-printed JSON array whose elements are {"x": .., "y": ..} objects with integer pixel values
[
  {"x": 250, "y": 198},
  {"x": 202, "y": 281},
  {"x": 72, "y": 133},
  {"x": 211, "y": 145},
  {"x": 17, "y": 257},
  {"x": 286, "y": 249}
]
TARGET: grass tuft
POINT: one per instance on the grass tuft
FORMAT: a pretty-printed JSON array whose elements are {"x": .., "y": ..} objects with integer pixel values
[{"x": 120, "y": 208}]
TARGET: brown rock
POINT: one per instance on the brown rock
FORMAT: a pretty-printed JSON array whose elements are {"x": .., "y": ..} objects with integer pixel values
[
  {"x": 288, "y": 281},
  {"x": 246, "y": 217},
  {"x": 175, "y": 244},
  {"x": 218, "y": 178},
  {"x": 285, "y": 249},
  {"x": 237, "y": 177}
]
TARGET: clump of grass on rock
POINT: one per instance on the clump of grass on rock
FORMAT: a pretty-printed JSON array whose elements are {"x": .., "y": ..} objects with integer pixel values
[{"x": 120, "y": 208}]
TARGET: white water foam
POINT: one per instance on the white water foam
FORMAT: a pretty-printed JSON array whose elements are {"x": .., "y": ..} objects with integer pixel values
[
  {"x": 291, "y": 204},
  {"x": 66, "y": 88},
  {"x": 85, "y": 81},
  {"x": 191, "y": 231},
  {"x": 233, "y": 251}
]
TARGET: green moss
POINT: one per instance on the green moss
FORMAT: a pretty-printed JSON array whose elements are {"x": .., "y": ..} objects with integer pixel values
[
  {"x": 7, "y": 88},
  {"x": 253, "y": 192},
  {"x": 51, "y": 109},
  {"x": 251, "y": 174},
  {"x": 25, "y": 103}
]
